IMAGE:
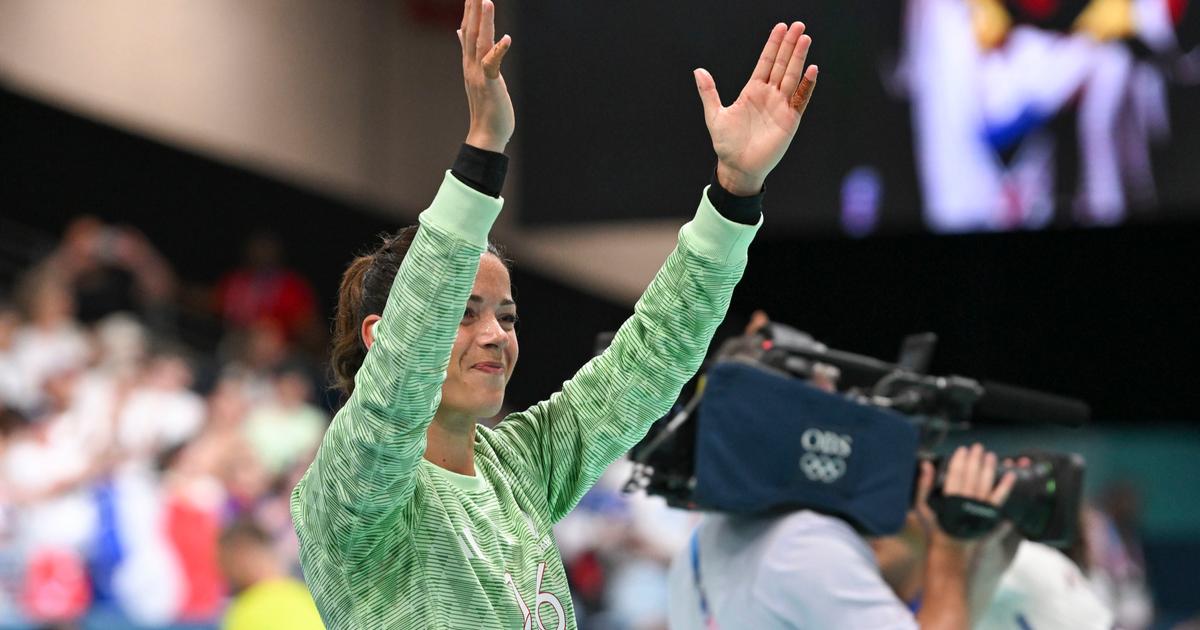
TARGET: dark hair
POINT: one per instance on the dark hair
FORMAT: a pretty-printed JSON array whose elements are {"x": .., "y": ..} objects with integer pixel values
[
  {"x": 244, "y": 530},
  {"x": 364, "y": 291}
]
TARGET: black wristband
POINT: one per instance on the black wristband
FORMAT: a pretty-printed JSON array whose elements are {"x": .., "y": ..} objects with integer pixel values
[
  {"x": 480, "y": 169},
  {"x": 964, "y": 518},
  {"x": 744, "y": 210}
]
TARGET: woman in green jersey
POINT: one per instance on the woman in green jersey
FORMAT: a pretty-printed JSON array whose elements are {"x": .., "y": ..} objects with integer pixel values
[{"x": 411, "y": 515}]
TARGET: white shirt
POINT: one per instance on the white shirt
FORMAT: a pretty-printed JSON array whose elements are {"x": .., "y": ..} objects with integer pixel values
[
  {"x": 35, "y": 463},
  {"x": 155, "y": 419},
  {"x": 800, "y": 570},
  {"x": 1044, "y": 590},
  {"x": 43, "y": 353}
]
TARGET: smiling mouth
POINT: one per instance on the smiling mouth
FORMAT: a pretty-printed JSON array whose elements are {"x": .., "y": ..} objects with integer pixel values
[{"x": 489, "y": 367}]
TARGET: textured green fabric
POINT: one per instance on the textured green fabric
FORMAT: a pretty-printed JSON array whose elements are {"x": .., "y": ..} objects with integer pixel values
[{"x": 389, "y": 540}]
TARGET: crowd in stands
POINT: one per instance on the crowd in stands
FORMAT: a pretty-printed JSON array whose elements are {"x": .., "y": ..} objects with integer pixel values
[
  {"x": 145, "y": 484},
  {"x": 142, "y": 484}
]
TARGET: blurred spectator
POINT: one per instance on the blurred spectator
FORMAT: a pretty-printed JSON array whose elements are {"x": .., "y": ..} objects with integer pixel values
[
  {"x": 11, "y": 578},
  {"x": 45, "y": 467},
  {"x": 112, "y": 269},
  {"x": 116, "y": 477},
  {"x": 223, "y": 451},
  {"x": 266, "y": 597},
  {"x": 193, "y": 503},
  {"x": 50, "y": 341},
  {"x": 221, "y": 448},
  {"x": 617, "y": 549},
  {"x": 161, "y": 412},
  {"x": 1116, "y": 565},
  {"x": 288, "y": 426},
  {"x": 121, "y": 344},
  {"x": 264, "y": 289},
  {"x": 255, "y": 354}
]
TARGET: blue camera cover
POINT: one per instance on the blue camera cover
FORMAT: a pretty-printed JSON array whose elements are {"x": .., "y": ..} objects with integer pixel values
[{"x": 769, "y": 443}]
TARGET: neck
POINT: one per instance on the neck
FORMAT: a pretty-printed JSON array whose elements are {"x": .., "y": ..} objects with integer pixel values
[{"x": 451, "y": 442}]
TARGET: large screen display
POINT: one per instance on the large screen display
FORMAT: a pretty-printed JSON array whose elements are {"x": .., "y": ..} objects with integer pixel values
[{"x": 939, "y": 115}]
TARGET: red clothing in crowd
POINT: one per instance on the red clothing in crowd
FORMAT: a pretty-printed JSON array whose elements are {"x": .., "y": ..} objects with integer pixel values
[{"x": 248, "y": 296}]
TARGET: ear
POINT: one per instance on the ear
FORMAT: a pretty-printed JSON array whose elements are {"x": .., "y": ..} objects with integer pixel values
[{"x": 367, "y": 330}]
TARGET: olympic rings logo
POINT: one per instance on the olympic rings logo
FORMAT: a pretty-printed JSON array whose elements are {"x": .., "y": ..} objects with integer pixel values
[
  {"x": 822, "y": 468},
  {"x": 825, "y": 453}
]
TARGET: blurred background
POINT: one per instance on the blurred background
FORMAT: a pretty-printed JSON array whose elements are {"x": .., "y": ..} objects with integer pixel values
[{"x": 184, "y": 182}]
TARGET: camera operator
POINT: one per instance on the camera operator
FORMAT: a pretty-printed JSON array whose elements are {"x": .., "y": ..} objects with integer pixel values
[
  {"x": 805, "y": 569},
  {"x": 820, "y": 516},
  {"x": 1041, "y": 588},
  {"x": 809, "y": 569}
]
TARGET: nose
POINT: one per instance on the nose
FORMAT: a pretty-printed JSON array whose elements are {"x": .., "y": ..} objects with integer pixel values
[{"x": 491, "y": 333}]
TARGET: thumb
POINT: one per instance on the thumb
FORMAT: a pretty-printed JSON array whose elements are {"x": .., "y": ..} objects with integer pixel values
[
  {"x": 495, "y": 56},
  {"x": 708, "y": 93}
]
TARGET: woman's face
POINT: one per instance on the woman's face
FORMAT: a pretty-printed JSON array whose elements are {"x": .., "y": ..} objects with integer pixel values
[{"x": 485, "y": 350}]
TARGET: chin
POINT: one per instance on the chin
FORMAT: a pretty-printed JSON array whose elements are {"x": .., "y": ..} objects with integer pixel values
[
  {"x": 488, "y": 408},
  {"x": 492, "y": 410},
  {"x": 473, "y": 400}
]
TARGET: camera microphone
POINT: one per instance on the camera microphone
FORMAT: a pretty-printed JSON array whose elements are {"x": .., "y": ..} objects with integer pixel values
[
  {"x": 793, "y": 350},
  {"x": 1011, "y": 403}
]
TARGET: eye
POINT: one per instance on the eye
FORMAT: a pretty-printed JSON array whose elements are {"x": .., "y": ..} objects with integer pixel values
[
  {"x": 509, "y": 321},
  {"x": 468, "y": 314}
]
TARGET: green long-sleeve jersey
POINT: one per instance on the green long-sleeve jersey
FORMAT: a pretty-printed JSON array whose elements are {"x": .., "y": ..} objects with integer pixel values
[{"x": 390, "y": 540}]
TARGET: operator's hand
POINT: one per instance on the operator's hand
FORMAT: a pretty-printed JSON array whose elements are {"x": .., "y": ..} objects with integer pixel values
[
  {"x": 758, "y": 320},
  {"x": 492, "y": 117},
  {"x": 971, "y": 473},
  {"x": 751, "y": 136}
]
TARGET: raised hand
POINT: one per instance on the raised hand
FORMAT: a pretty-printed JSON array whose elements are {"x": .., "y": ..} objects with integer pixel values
[
  {"x": 492, "y": 117},
  {"x": 970, "y": 473},
  {"x": 751, "y": 136}
]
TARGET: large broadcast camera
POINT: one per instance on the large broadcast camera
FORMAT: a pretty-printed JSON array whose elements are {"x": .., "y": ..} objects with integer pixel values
[{"x": 757, "y": 435}]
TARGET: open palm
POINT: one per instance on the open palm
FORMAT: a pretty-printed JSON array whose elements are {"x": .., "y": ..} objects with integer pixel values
[
  {"x": 492, "y": 117},
  {"x": 751, "y": 135}
]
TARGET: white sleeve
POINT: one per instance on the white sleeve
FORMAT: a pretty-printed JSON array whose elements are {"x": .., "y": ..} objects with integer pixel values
[
  {"x": 1044, "y": 589},
  {"x": 827, "y": 578}
]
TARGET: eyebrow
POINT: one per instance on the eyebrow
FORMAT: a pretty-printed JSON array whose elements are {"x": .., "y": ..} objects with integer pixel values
[{"x": 504, "y": 302}]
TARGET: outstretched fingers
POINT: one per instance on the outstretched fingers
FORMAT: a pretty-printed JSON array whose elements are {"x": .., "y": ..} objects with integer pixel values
[
  {"x": 972, "y": 470},
  {"x": 784, "y": 56},
  {"x": 955, "y": 473},
  {"x": 1000, "y": 493},
  {"x": 487, "y": 29},
  {"x": 470, "y": 28},
  {"x": 795, "y": 66},
  {"x": 987, "y": 476},
  {"x": 762, "y": 71},
  {"x": 478, "y": 35}
]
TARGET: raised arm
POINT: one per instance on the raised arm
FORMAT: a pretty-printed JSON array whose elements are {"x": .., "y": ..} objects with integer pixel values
[
  {"x": 610, "y": 403},
  {"x": 751, "y": 135},
  {"x": 360, "y": 487}
]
